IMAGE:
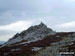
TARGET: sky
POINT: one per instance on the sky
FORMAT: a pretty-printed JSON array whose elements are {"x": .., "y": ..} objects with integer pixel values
[{"x": 18, "y": 15}]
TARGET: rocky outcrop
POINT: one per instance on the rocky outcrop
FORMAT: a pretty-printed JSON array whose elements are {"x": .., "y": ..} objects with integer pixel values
[{"x": 38, "y": 40}]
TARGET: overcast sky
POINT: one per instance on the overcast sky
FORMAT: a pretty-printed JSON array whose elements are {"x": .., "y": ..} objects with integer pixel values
[{"x": 18, "y": 15}]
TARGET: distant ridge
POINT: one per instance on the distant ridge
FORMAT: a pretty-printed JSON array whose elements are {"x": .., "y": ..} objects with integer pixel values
[{"x": 2, "y": 42}]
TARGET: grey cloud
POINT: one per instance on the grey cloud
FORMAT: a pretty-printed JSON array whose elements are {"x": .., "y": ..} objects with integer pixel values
[{"x": 14, "y": 10}]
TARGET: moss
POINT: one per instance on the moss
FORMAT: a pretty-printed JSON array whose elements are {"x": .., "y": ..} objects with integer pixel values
[{"x": 24, "y": 40}]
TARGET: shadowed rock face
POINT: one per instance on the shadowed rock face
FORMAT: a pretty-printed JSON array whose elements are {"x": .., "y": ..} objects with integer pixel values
[
  {"x": 39, "y": 41},
  {"x": 37, "y": 27}
]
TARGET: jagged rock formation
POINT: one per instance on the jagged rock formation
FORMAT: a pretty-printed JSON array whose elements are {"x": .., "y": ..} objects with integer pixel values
[
  {"x": 34, "y": 33},
  {"x": 38, "y": 40}
]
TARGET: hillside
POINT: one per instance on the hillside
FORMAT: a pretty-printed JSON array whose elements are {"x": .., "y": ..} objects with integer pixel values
[{"x": 39, "y": 40}]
